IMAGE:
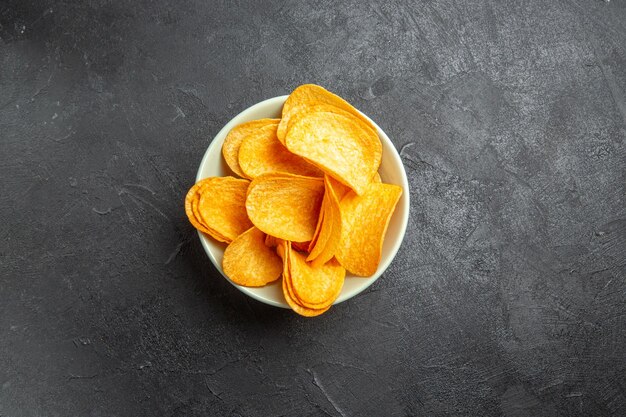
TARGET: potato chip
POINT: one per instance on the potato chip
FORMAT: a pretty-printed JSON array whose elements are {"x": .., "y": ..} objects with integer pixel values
[
  {"x": 301, "y": 310},
  {"x": 377, "y": 178},
  {"x": 191, "y": 208},
  {"x": 284, "y": 251},
  {"x": 327, "y": 214},
  {"x": 285, "y": 206},
  {"x": 341, "y": 145},
  {"x": 364, "y": 221},
  {"x": 193, "y": 195},
  {"x": 307, "y": 95},
  {"x": 318, "y": 226},
  {"x": 222, "y": 206},
  {"x": 315, "y": 287},
  {"x": 331, "y": 230},
  {"x": 303, "y": 110},
  {"x": 248, "y": 261},
  {"x": 211, "y": 232},
  {"x": 232, "y": 143},
  {"x": 261, "y": 152}
]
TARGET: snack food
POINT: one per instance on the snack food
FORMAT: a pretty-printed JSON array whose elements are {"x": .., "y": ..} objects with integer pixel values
[
  {"x": 364, "y": 222},
  {"x": 308, "y": 95},
  {"x": 261, "y": 152},
  {"x": 295, "y": 225},
  {"x": 249, "y": 262},
  {"x": 218, "y": 205},
  {"x": 285, "y": 205},
  {"x": 342, "y": 145},
  {"x": 232, "y": 143},
  {"x": 309, "y": 291},
  {"x": 330, "y": 231}
]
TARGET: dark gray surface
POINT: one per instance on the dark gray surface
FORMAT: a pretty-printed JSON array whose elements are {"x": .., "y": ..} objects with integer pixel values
[{"x": 507, "y": 297}]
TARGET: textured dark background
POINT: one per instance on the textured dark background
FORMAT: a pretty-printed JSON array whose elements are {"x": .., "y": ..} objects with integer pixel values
[{"x": 506, "y": 299}]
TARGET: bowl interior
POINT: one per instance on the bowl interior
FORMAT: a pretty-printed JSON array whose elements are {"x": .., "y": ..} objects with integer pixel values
[{"x": 391, "y": 171}]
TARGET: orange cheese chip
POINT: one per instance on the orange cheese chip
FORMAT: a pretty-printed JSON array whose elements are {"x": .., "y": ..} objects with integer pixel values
[
  {"x": 285, "y": 206},
  {"x": 261, "y": 152},
  {"x": 248, "y": 261},
  {"x": 364, "y": 221},
  {"x": 232, "y": 143},
  {"x": 342, "y": 145},
  {"x": 307, "y": 95},
  {"x": 222, "y": 207}
]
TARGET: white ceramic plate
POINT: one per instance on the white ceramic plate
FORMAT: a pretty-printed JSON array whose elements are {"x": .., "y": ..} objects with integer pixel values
[{"x": 391, "y": 171}]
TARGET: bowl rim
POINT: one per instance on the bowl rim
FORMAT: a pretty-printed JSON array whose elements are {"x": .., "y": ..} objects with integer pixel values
[{"x": 404, "y": 201}]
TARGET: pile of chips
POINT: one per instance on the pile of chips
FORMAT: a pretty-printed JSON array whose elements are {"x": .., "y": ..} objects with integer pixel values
[{"x": 309, "y": 205}]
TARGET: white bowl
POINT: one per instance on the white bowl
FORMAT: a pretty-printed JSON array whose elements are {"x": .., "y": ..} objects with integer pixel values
[{"x": 391, "y": 171}]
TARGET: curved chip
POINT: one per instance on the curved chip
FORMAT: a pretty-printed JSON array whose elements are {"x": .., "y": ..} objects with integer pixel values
[
  {"x": 308, "y": 95},
  {"x": 364, "y": 221},
  {"x": 191, "y": 200},
  {"x": 248, "y": 261},
  {"x": 327, "y": 216},
  {"x": 211, "y": 232},
  {"x": 193, "y": 214},
  {"x": 315, "y": 287},
  {"x": 285, "y": 206},
  {"x": 331, "y": 229},
  {"x": 301, "y": 310},
  {"x": 340, "y": 144},
  {"x": 261, "y": 152},
  {"x": 284, "y": 251},
  {"x": 222, "y": 206},
  {"x": 318, "y": 226},
  {"x": 232, "y": 142},
  {"x": 303, "y": 110}
]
